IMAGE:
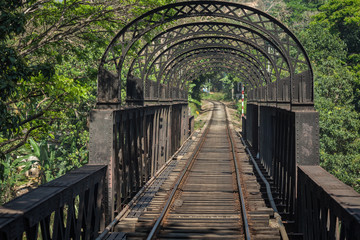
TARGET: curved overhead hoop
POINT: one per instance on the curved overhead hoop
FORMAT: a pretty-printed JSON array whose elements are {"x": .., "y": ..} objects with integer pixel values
[
  {"x": 209, "y": 67},
  {"x": 178, "y": 33},
  {"x": 236, "y": 67},
  {"x": 191, "y": 44},
  {"x": 186, "y": 64},
  {"x": 173, "y": 57},
  {"x": 194, "y": 44},
  {"x": 220, "y": 66},
  {"x": 213, "y": 68},
  {"x": 182, "y": 61},
  {"x": 187, "y": 60},
  {"x": 116, "y": 53}
]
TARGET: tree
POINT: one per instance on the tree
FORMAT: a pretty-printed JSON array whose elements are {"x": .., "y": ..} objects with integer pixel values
[
  {"x": 343, "y": 17},
  {"x": 50, "y": 51},
  {"x": 336, "y": 86}
]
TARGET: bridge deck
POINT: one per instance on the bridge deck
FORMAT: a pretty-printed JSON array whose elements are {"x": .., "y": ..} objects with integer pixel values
[{"x": 207, "y": 205}]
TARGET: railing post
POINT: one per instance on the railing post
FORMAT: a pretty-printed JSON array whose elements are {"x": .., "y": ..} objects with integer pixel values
[
  {"x": 306, "y": 137},
  {"x": 252, "y": 125},
  {"x": 306, "y": 154},
  {"x": 101, "y": 151},
  {"x": 266, "y": 136},
  {"x": 191, "y": 124},
  {"x": 184, "y": 123}
]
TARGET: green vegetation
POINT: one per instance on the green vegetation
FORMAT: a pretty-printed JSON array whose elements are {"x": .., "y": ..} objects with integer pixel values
[
  {"x": 220, "y": 84},
  {"x": 50, "y": 53},
  {"x": 216, "y": 96},
  {"x": 332, "y": 40}
]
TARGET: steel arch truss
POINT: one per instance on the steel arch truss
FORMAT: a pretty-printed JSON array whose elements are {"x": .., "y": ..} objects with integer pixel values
[
  {"x": 238, "y": 69},
  {"x": 186, "y": 31},
  {"x": 154, "y": 54},
  {"x": 189, "y": 63},
  {"x": 170, "y": 56}
]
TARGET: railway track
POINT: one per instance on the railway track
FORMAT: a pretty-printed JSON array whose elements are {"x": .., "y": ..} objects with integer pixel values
[
  {"x": 207, "y": 200},
  {"x": 202, "y": 197}
]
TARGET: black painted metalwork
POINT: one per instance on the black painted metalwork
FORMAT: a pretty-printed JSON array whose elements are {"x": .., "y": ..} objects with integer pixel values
[
  {"x": 69, "y": 207},
  {"x": 329, "y": 209},
  {"x": 172, "y": 36},
  {"x": 169, "y": 55},
  {"x": 134, "y": 143},
  {"x": 189, "y": 63},
  {"x": 237, "y": 68},
  {"x": 281, "y": 124},
  {"x": 254, "y": 26}
]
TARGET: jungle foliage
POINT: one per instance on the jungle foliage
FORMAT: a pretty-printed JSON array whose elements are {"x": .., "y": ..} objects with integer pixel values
[
  {"x": 49, "y": 55},
  {"x": 50, "y": 51},
  {"x": 332, "y": 39}
]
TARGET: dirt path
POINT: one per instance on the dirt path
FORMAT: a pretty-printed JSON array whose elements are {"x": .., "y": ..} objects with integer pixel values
[{"x": 205, "y": 111}]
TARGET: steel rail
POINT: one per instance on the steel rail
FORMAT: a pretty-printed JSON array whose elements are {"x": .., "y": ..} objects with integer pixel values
[
  {"x": 126, "y": 209},
  {"x": 186, "y": 169},
  {"x": 241, "y": 195},
  {"x": 277, "y": 215}
]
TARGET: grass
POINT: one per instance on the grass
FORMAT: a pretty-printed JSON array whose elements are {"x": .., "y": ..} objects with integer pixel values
[{"x": 216, "y": 96}]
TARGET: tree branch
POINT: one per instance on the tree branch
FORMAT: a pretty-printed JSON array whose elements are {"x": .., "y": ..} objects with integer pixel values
[
  {"x": 13, "y": 148},
  {"x": 39, "y": 114}
]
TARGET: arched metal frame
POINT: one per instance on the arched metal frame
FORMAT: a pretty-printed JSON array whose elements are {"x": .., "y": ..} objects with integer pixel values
[
  {"x": 199, "y": 60},
  {"x": 186, "y": 31},
  {"x": 216, "y": 66},
  {"x": 195, "y": 47},
  {"x": 252, "y": 62},
  {"x": 190, "y": 62},
  {"x": 211, "y": 67},
  {"x": 164, "y": 60},
  {"x": 200, "y": 67},
  {"x": 162, "y": 22},
  {"x": 170, "y": 54}
]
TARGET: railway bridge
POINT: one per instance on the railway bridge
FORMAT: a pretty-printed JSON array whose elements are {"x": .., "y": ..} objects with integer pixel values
[{"x": 152, "y": 176}]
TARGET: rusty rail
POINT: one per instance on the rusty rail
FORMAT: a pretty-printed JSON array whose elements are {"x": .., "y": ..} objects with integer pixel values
[{"x": 67, "y": 207}]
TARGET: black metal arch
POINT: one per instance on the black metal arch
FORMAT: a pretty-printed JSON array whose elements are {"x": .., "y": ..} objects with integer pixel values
[
  {"x": 202, "y": 42},
  {"x": 194, "y": 44},
  {"x": 241, "y": 45},
  {"x": 187, "y": 60},
  {"x": 190, "y": 62},
  {"x": 235, "y": 66},
  {"x": 208, "y": 67},
  {"x": 158, "y": 20},
  {"x": 185, "y": 31},
  {"x": 213, "y": 67},
  {"x": 173, "y": 57},
  {"x": 181, "y": 62}
]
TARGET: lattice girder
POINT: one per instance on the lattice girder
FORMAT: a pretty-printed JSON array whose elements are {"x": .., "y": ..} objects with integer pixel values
[
  {"x": 182, "y": 67},
  {"x": 171, "y": 36},
  {"x": 171, "y": 54},
  {"x": 240, "y": 69},
  {"x": 260, "y": 29}
]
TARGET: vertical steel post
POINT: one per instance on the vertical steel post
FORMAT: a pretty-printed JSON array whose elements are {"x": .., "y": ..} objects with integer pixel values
[
  {"x": 101, "y": 151},
  {"x": 242, "y": 100}
]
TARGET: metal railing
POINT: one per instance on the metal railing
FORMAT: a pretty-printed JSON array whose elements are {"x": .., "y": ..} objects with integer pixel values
[
  {"x": 134, "y": 142},
  {"x": 286, "y": 142},
  {"x": 327, "y": 208},
  {"x": 67, "y": 207}
]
